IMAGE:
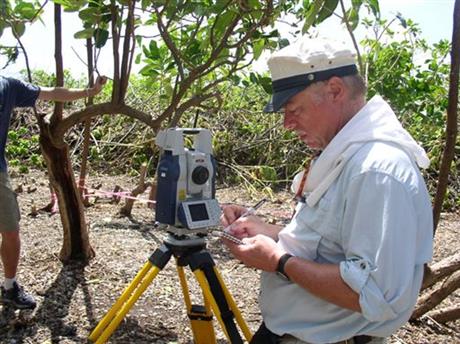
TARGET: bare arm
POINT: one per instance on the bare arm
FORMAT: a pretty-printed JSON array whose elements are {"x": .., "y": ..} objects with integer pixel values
[
  {"x": 322, "y": 280},
  {"x": 62, "y": 94}
]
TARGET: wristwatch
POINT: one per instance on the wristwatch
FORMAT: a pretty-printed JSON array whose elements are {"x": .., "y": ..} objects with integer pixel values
[{"x": 281, "y": 263}]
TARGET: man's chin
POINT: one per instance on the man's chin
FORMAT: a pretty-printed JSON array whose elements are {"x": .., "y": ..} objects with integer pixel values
[{"x": 314, "y": 145}]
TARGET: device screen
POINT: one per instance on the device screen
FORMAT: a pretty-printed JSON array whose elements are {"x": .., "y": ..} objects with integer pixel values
[{"x": 198, "y": 212}]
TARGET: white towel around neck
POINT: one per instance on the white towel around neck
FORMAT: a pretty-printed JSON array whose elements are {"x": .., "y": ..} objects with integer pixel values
[{"x": 376, "y": 121}]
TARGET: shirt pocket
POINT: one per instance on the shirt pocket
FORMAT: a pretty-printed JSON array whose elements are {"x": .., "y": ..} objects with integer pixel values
[
  {"x": 319, "y": 226},
  {"x": 319, "y": 217},
  {"x": 299, "y": 237},
  {"x": 326, "y": 218}
]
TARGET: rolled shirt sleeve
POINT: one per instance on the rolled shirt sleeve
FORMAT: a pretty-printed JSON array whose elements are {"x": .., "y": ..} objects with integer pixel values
[{"x": 380, "y": 224}]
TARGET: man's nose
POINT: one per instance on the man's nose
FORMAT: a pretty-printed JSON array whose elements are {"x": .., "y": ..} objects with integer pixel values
[{"x": 288, "y": 123}]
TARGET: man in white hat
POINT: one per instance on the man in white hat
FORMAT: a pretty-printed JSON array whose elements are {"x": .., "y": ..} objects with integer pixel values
[{"x": 349, "y": 266}]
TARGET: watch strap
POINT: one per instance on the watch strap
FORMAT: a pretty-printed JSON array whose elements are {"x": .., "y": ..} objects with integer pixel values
[{"x": 281, "y": 263}]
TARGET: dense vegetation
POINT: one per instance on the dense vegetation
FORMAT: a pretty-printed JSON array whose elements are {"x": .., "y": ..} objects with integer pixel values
[{"x": 251, "y": 147}]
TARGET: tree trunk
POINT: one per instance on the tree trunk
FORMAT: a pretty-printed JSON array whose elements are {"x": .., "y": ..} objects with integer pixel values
[
  {"x": 140, "y": 188},
  {"x": 452, "y": 109},
  {"x": 76, "y": 245},
  {"x": 87, "y": 128}
]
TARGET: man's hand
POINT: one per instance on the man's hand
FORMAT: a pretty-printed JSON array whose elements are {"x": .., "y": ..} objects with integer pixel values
[
  {"x": 259, "y": 251},
  {"x": 100, "y": 81},
  {"x": 248, "y": 226},
  {"x": 230, "y": 213}
]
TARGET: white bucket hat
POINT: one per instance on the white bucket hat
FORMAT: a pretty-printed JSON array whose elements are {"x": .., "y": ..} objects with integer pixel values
[{"x": 304, "y": 62}]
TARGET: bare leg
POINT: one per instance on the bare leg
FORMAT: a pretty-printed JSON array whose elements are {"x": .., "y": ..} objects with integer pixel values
[{"x": 10, "y": 251}]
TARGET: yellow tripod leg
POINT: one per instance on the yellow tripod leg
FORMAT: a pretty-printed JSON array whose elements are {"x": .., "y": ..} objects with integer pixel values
[
  {"x": 200, "y": 316},
  {"x": 119, "y": 303},
  {"x": 127, "y": 306},
  {"x": 233, "y": 306},
  {"x": 201, "y": 278}
]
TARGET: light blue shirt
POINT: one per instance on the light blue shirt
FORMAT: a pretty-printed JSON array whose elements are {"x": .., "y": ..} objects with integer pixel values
[{"x": 375, "y": 221}]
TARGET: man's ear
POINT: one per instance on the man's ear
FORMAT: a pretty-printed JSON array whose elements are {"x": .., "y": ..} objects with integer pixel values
[{"x": 336, "y": 88}]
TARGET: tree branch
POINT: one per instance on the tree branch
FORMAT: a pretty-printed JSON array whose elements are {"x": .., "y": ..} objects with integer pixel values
[
  {"x": 445, "y": 315},
  {"x": 177, "y": 56},
  {"x": 126, "y": 56},
  {"x": 116, "y": 55},
  {"x": 64, "y": 125},
  {"x": 353, "y": 38},
  {"x": 430, "y": 300},
  {"x": 440, "y": 270}
]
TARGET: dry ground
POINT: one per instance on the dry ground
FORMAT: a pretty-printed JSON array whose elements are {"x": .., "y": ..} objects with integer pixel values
[{"x": 72, "y": 299}]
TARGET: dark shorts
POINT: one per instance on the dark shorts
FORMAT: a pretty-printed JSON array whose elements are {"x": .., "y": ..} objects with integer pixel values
[
  {"x": 265, "y": 336},
  {"x": 9, "y": 209}
]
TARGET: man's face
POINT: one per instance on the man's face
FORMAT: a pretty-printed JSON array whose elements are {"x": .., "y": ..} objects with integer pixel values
[{"x": 311, "y": 116}]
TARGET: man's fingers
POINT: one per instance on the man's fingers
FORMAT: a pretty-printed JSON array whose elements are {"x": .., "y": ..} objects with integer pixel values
[{"x": 101, "y": 80}]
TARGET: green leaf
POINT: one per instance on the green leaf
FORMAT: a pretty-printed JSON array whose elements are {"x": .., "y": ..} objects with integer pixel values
[
  {"x": 266, "y": 84},
  {"x": 148, "y": 71},
  {"x": 145, "y": 51},
  {"x": 283, "y": 42},
  {"x": 353, "y": 18},
  {"x": 327, "y": 10},
  {"x": 154, "y": 51},
  {"x": 71, "y": 5},
  {"x": 374, "y": 5},
  {"x": 220, "y": 6},
  {"x": 84, "y": 34},
  {"x": 224, "y": 20},
  {"x": 63, "y": 3},
  {"x": 356, "y": 4},
  {"x": 402, "y": 20},
  {"x": 310, "y": 15},
  {"x": 19, "y": 28},
  {"x": 25, "y": 10},
  {"x": 145, "y": 4},
  {"x": 267, "y": 173},
  {"x": 258, "y": 47},
  {"x": 88, "y": 14},
  {"x": 100, "y": 37},
  {"x": 255, "y": 4}
]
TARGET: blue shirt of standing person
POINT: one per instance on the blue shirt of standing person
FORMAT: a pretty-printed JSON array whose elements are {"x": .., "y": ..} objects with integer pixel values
[{"x": 15, "y": 93}]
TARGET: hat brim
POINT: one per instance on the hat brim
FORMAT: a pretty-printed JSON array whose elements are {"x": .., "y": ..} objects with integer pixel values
[
  {"x": 286, "y": 88},
  {"x": 280, "y": 98}
]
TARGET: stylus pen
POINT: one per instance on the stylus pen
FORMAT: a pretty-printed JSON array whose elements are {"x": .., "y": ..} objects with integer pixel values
[
  {"x": 225, "y": 234},
  {"x": 250, "y": 211}
]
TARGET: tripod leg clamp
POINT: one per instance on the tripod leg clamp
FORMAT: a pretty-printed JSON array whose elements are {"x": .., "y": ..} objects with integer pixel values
[{"x": 160, "y": 257}]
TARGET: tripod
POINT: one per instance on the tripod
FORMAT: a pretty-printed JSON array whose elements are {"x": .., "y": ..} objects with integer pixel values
[{"x": 216, "y": 297}]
